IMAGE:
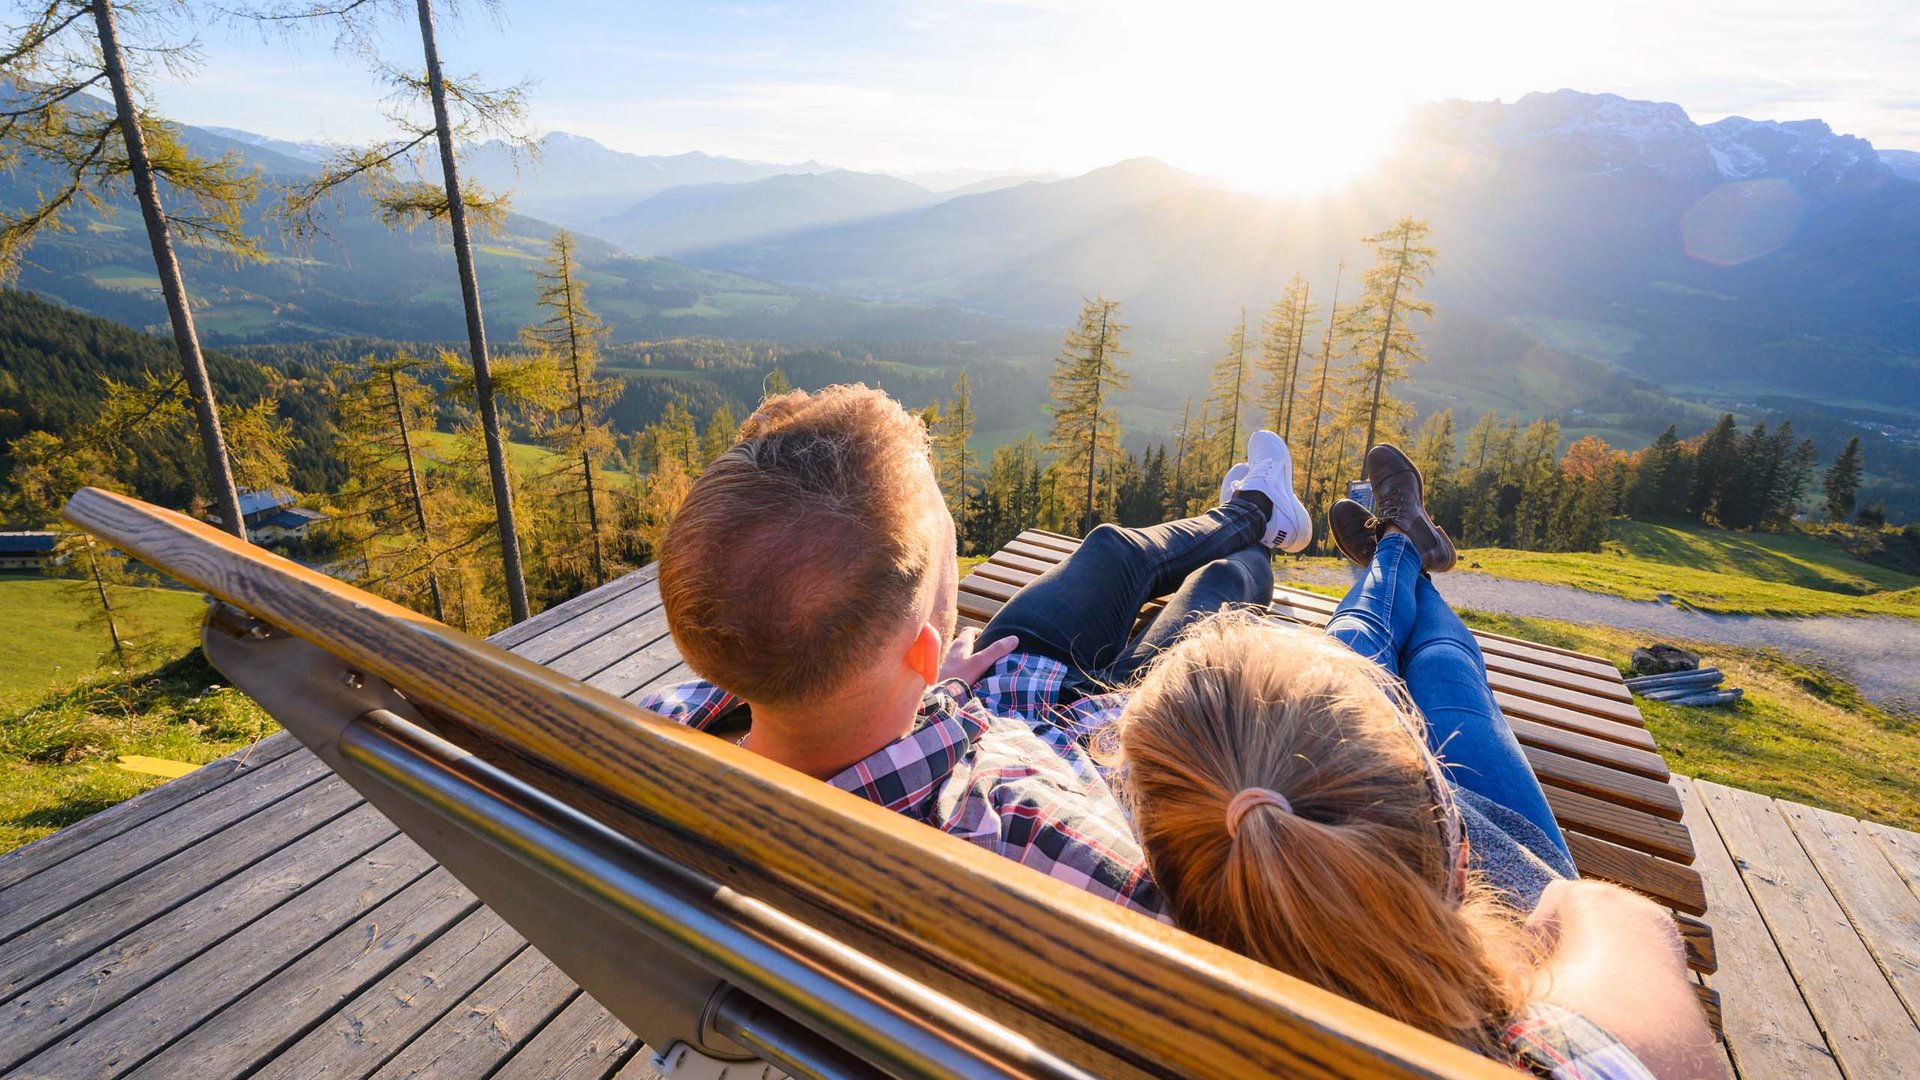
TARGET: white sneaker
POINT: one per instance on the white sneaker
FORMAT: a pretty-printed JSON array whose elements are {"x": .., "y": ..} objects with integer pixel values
[
  {"x": 1231, "y": 484},
  {"x": 1270, "y": 472}
]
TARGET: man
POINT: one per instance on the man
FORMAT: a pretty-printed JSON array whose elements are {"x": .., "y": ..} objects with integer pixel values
[{"x": 811, "y": 573}]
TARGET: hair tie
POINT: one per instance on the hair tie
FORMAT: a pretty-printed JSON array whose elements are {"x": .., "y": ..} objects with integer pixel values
[{"x": 1247, "y": 800}]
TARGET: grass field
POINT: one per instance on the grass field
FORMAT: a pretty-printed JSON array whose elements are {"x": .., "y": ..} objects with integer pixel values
[
  {"x": 42, "y": 620},
  {"x": 529, "y": 459},
  {"x": 1799, "y": 733},
  {"x": 1718, "y": 571},
  {"x": 65, "y": 718}
]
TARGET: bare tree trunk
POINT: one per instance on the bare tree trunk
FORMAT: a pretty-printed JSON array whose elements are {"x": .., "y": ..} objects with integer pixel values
[
  {"x": 1293, "y": 365},
  {"x": 213, "y": 442},
  {"x": 1326, "y": 376},
  {"x": 106, "y": 605},
  {"x": 419, "y": 499},
  {"x": 476, "y": 328},
  {"x": 580, "y": 421},
  {"x": 1386, "y": 338}
]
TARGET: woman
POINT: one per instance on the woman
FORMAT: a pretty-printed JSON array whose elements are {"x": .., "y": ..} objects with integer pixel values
[{"x": 1286, "y": 788}]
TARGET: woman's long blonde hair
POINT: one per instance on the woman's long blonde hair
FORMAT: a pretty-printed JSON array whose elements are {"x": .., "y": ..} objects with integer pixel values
[{"x": 1351, "y": 885}]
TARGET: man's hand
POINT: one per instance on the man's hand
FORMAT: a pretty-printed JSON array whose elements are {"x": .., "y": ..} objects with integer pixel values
[{"x": 968, "y": 666}]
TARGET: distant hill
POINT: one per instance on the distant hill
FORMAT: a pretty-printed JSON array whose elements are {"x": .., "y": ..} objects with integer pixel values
[
  {"x": 1734, "y": 259},
  {"x": 706, "y": 215},
  {"x": 576, "y": 182}
]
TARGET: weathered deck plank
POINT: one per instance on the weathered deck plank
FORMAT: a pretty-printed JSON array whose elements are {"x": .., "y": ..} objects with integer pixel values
[
  {"x": 584, "y": 1042},
  {"x": 1863, "y": 1022},
  {"x": 500, "y": 1016},
  {"x": 1882, "y": 909},
  {"x": 1770, "y": 1033}
]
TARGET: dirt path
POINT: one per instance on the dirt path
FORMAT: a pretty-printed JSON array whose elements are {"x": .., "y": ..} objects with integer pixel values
[{"x": 1880, "y": 653}]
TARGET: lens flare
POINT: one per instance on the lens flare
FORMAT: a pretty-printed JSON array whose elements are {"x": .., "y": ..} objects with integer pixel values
[{"x": 1739, "y": 222}]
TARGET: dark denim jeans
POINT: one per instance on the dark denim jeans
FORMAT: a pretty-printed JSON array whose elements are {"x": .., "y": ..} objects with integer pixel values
[
  {"x": 1081, "y": 611},
  {"x": 1394, "y": 616}
]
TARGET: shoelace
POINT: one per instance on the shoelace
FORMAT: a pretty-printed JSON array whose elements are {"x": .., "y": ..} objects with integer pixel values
[{"x": 1388, "y": 510}]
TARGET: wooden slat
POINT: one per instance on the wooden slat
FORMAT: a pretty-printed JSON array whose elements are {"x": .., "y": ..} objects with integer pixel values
[
  {"x": 1202, "y": 1011},
  {"x": 1902, "y": 849},
  {"x": 91, "y": 923},
  {"x": 594, "y": 627},
  {"x": 1863, "y": 1021},
  {"x": 1588, "y": 748},
  {"x": 1710, "y": 1006},
  {"x": 1560, "y": 716},
  {"x": 499, "y": 1017},
  {"x": 1619, "y": 824},
  {"x": 1882, "y": 909},
  {"x": 585, "y": 1042},
  {"x": 193, "y": 949},
  {"x": 1702, "y": 954},
  {"x": 23, "y": 862},
  {"x": 378, "y": 1023},
  {"x": 617, "y": 644},
  {"x": 571, "y": 610},
  {"x": 61, "y": 886},
  {"x": 1664, "y": 880},
  {"x": 277, "y": 1012},
  {"x": 1613, "y": 785}
]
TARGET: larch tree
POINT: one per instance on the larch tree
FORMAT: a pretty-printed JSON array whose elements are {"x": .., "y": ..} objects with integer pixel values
[
  {"x": 1322, "y": 379},
  {"x": 952, "y": 454},
  {"x": 1227, "y": 399},
  {"x": 1378, "y": 326},
  {"x": 1283, "y": 339},
  {"x": 381, "y": 407},
  {"x": 567, "y": 339},
  {"x": 1085, "y": 438},
  {"x": 89, "y": 153},
  {"x": 1841, "y": 484},
  {"x": 431, "y": 116}
]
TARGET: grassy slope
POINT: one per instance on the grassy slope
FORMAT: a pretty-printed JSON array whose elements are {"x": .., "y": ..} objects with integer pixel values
[
  {"x": 1798, "y": 734},
  {"x": 49, "y": 644},
  {"x": 1714, "y": 570},
  {"x": 64, "y": 720}
]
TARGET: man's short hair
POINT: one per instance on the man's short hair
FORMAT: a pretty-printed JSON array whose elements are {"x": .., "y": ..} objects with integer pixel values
[{"x": 804, "y": 548}]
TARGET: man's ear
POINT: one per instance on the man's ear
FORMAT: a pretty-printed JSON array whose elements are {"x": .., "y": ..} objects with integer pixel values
[{"x": 923, "y": 656}]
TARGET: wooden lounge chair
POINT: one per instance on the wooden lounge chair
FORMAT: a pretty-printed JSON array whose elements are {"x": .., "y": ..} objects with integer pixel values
[
  {"x": 721, "y": 905},
  {"x": 1604, "y": 778}
]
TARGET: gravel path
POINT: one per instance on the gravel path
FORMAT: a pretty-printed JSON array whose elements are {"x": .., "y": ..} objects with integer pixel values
[{"x": 1879, "y": 653}]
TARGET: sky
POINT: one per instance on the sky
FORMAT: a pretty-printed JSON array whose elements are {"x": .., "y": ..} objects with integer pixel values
[{"x": 1271, "y": 96}]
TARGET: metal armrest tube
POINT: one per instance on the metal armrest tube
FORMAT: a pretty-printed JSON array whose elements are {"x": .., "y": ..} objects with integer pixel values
[{"x": 885, "y": 1018}]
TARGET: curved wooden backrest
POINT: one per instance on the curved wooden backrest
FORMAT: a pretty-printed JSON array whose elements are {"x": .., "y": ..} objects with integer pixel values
[{"x": 1105, "y": 988}]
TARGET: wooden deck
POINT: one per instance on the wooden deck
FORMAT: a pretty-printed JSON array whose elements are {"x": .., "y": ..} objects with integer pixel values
[{"x": 260, "y": 920}]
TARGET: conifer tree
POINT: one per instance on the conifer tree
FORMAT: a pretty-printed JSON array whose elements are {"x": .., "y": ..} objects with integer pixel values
[
  {"x": 457, "y": 113},
  {"x": 1378, "y": 326},
  {"x": 1841, "y": 485},
  {"x": 722, "y": 432},
  {"x": 1177, "y": 484},
  {"x": 1085, "y": 439},
  {"x": 1282, "y": 340},
  {"x": 1011, "y": 494},
  {"x": 1433, "y": 452},
  {"x": 1227, "y": 400},
  {"x": 568, "y": 340},
  {"x": 91, "y": 153},
  {"x": 953, "y": 455},
  {"x": 1322, "y": 379},
  {"x": 380, "y": 410},
  {"x": 1714, "y": 465}
]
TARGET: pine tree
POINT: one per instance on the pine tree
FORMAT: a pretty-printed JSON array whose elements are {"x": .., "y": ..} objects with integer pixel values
[
  {"x": 953, "y": 456},
  {"x": 1227, "y": 399},
  {"x": 568, "y": 341},
  {"x": 1841, "y": 484},
  {"x": 1085, "y": 439},
  {"x": 1378, "y": 326},
  {"x": 722, "y": 432},
  {"x": 1282, "y": 341},
  {"x": 1433, "y": 453},
  {"x": 1322, "y": 379},
  {"x": 1011, "y": 493},
  {"x": 49, "y": 123},
  {"x": 382, "y": 513},
  {"x": 1715, "y": 462},
  {"x": 457, "y": 113}
]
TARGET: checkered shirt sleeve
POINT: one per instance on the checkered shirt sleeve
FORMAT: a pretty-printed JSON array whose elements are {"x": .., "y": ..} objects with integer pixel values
[{"x": 1556, "y": 1043}]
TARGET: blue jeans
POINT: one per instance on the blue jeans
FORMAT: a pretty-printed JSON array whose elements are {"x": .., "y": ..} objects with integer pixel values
[
  {"x": 1395, "y": 617},
  {"x": 1081, "y": 611}
]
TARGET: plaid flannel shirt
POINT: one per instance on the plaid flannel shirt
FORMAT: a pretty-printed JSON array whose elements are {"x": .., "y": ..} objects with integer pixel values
[
  {"x": 1556, "y": 1043},
  {"x": 1005, "y": 769}
]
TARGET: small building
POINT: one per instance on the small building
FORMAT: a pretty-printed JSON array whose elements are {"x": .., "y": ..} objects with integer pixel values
[
  {"x": 290, "y": 523},
  {"x": 30, "y": 550}
]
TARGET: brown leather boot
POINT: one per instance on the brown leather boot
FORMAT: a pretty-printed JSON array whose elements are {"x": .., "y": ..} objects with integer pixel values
[
  {"x": 1397, "y": 499},
  {"x": 1351, "y": 527}
]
